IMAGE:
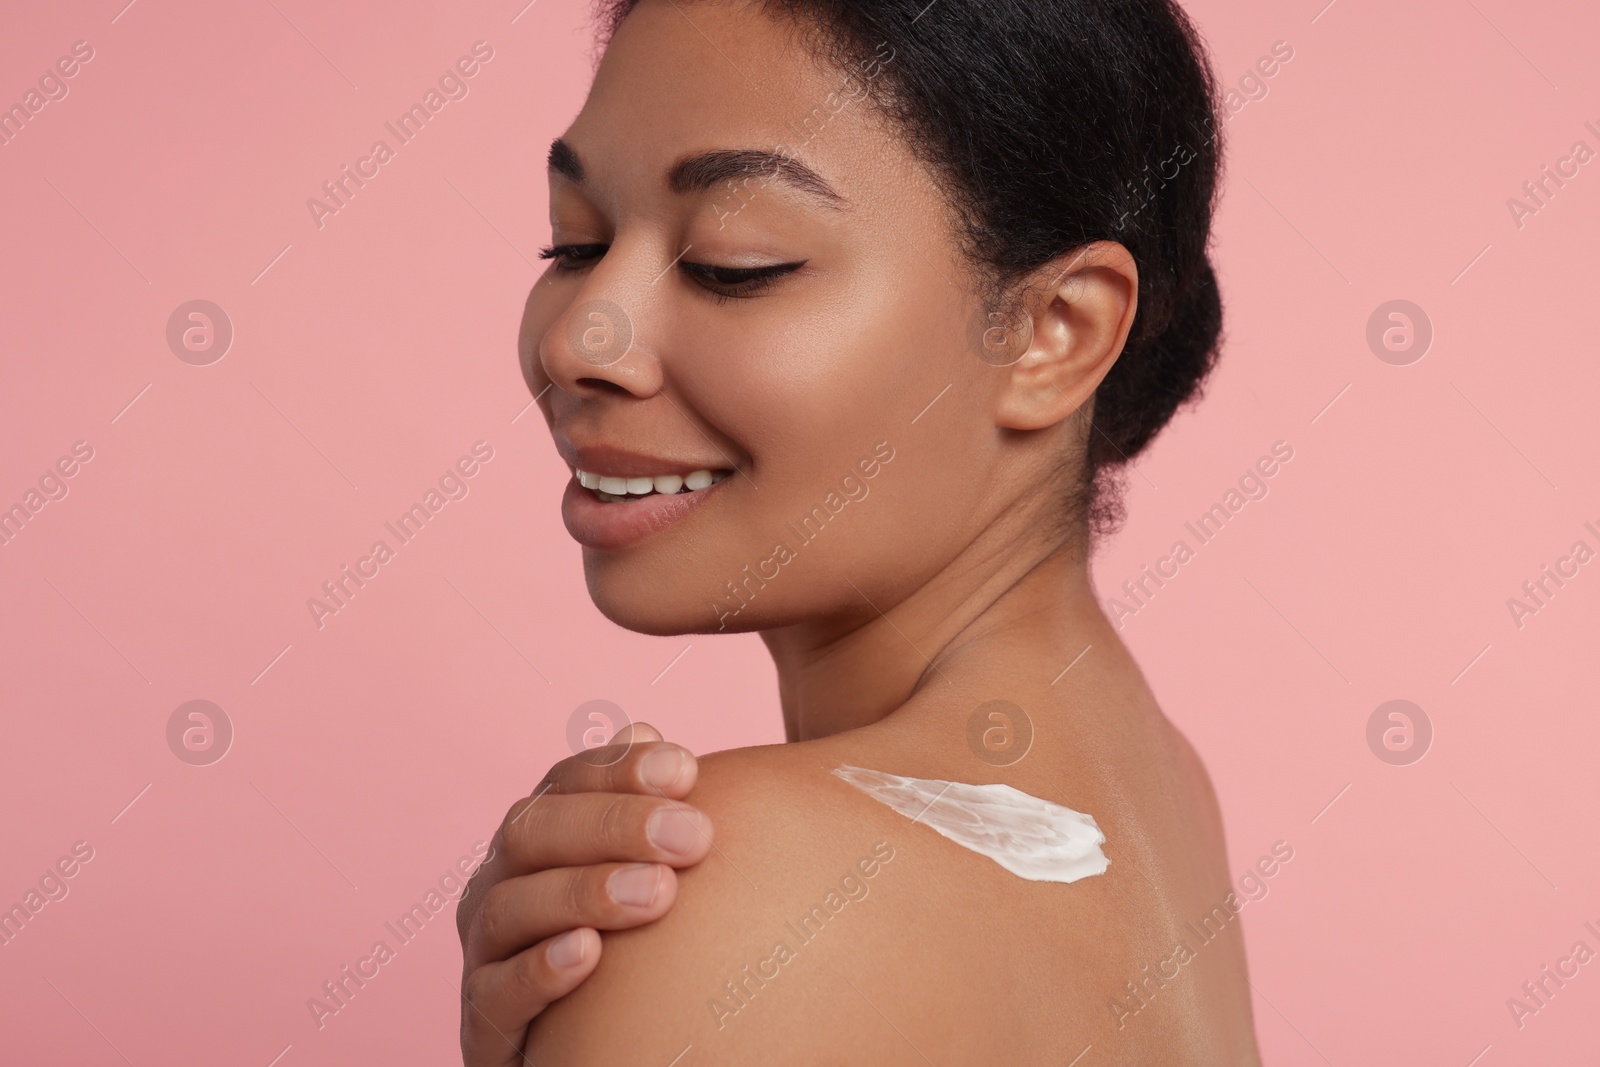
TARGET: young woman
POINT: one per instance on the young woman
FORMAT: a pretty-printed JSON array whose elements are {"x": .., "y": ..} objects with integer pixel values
[{"x": 855, "y": 310}]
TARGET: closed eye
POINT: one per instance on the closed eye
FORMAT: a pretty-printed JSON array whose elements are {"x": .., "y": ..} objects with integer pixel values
[
  {"x": 726, "y": 283},
  {"x": 573, "y": 257},
  {"x": 737, "y": 283}
]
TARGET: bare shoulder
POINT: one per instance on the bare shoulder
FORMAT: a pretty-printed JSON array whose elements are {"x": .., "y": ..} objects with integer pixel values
[
  {"x": 828, "y": 928},
  {"x": 779, "y": 939}
]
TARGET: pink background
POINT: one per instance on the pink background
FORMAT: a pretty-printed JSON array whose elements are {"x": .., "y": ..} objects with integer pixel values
[{"x": 371, "y": 754}]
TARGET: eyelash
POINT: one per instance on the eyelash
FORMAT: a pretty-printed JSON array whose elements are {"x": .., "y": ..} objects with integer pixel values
[{"x": 746, "y": 283}]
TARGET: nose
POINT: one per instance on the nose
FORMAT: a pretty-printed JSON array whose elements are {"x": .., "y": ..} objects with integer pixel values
[{"x": 594, "y": 347}]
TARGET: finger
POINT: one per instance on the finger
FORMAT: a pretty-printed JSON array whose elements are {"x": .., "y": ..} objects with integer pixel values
[
  {"x": 648, "y": 767},
  {"x": 636, "y": 731},
  {"x": 520, "y": 912},
  {"x": 500, "y": 999},
  {"x": 588, "y": 828},
  {"x": 548, "y": 831}
]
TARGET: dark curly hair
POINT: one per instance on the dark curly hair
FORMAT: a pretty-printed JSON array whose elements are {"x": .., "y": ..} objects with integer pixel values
[{"x": 1052, "y": 124}]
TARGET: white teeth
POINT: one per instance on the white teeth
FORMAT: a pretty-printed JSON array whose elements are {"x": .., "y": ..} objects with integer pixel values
[{"x": 611, "y": 488}]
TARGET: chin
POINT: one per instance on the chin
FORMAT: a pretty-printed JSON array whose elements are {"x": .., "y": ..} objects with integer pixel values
[{"x": 646, "y": 606}]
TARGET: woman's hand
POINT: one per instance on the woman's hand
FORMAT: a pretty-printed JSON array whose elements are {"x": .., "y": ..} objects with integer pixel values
[{"x": 593, "y": 848}]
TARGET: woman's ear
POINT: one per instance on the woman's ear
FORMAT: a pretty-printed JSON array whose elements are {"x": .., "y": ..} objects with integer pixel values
[{"x": 1072, "y": 323}]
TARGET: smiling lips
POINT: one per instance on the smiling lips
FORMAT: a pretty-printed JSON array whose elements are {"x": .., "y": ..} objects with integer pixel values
[
  {"x": 611, "y": 513},
  {"x": 613, "y": 488},
  {"x": 619, "y": 497}
]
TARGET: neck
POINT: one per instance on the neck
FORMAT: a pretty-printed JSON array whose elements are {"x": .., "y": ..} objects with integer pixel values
[{"x": 843, "y": 674}]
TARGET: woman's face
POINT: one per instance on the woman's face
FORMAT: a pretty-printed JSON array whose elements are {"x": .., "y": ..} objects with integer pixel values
[{"x": 802, "y": 330}]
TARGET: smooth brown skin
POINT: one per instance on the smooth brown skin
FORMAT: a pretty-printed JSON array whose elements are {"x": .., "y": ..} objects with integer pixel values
[{"x": 959, "y": 580}]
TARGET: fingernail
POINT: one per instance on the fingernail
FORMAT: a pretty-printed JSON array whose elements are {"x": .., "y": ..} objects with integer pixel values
[
  {"x": 674, "y": 829},
  {"x": 662, "y": 767},
  {"x": 637, "y": 884},
  {"x": 567, "y": 950}
]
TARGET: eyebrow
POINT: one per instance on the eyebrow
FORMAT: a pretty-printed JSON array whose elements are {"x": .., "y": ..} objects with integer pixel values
[{"x": 706, "y": 171}]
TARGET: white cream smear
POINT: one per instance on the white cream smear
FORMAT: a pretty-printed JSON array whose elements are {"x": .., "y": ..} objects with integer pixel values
[{"x": 1027, "y": 835}]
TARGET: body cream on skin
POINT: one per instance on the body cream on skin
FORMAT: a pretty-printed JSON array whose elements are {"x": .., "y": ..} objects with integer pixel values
[{"x": 1027, "y": 835}]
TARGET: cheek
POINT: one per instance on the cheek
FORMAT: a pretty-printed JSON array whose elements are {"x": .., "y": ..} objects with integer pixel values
[
  {"x": 796, "y": 385},
  {"x": 824, "y": 373},
  {"x": 812, "y": 401}
]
